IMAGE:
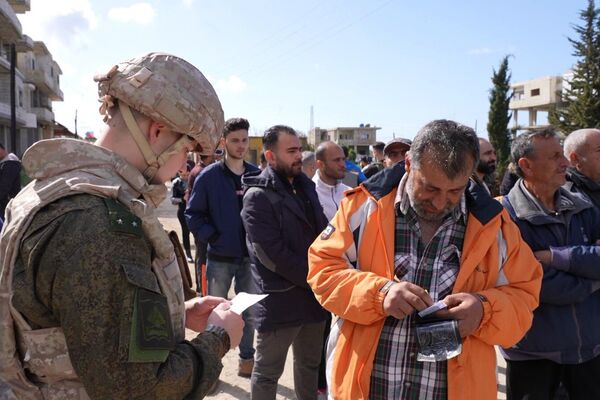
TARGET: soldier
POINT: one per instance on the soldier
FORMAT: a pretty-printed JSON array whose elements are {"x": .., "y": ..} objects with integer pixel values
[{"x": 92, "y": 300}]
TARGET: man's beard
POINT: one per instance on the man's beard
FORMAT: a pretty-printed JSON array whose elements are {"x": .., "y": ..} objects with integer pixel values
[
  {"x": 290, "y": 171},
  {"x": 486, "y": 168},
  {"x": 419, "y": 206}
]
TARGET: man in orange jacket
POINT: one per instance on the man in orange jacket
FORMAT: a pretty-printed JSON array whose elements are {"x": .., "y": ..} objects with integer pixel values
[{"x": 416, "y": 234}]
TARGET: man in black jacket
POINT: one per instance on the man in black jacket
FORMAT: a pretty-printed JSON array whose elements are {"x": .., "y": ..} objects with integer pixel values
[
  {"x": 282, "y": 217},
  {"x": 10, "y": 177},
  {"x": 582, "y": 148}
]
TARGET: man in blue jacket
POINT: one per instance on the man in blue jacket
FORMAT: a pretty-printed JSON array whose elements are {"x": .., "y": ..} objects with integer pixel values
[
  {"x": 213, "y": 216},
  {"x": 282, "y": 216},
  {"x": 562, "y": 228}
]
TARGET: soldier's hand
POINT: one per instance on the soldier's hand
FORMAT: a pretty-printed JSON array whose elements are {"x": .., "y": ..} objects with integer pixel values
[
  {"x": 198, "y": 309},
  {"x": 404, "y": 298},
  {"x": 228, "y": 320},
  {"x": 466, "y": 309}
]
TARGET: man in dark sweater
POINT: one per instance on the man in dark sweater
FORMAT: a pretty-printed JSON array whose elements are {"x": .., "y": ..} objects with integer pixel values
[{"x": 213, "y": 216}]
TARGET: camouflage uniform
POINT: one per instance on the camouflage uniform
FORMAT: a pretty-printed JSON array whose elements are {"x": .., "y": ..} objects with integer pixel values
[{"x": 91, "y": 301}]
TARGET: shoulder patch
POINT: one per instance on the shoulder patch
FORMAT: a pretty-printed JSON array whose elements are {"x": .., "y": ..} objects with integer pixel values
[
  {"x": 122, "y": 220},
  {"x": 151, "y": 330},
  {"x": 327, "y": 232}
]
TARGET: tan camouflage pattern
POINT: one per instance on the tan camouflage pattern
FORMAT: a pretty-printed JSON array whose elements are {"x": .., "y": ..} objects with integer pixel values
[
  {"x": 99, "y": 172},
  {"x": 167, "y": 89}
]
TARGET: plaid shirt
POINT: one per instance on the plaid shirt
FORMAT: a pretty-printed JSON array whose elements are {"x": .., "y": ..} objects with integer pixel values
[{"x": 434, "y": 266}]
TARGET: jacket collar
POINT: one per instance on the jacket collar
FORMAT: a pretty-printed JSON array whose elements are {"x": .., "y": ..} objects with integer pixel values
[
  {"x": 581, "y": 180},
  {"x": 46, "y": 158},
  {"x": 321, "y": 183},
  {"x": 527, "y": 207},
  {"x": 478, "y": 201}
]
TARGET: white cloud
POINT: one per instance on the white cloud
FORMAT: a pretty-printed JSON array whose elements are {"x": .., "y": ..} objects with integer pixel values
[
  {"x": 232, "y": 84},
  {"x": 61, "y": 24},
  {"x": 188, "y": 3},
  {"x": 480, "y": 51},
  {"x": 138, "y": 13}
]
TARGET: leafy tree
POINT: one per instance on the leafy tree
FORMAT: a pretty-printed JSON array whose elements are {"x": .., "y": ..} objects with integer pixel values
[
  {"x": 499, "y": 116},
  {"x": 580, "y": 106}
]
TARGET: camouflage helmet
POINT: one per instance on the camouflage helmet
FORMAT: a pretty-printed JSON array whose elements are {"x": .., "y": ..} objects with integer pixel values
[{"x": 168, "y": 90}]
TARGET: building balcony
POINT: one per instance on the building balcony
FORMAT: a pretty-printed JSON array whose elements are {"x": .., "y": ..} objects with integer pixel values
[
  {"x": 10, "y": 27},
  {"x": 20, "y": 6},
  {"x": 44, "y": 83},
  {"x": 24, "y": 119},
  {"x": 43, "y": 114}
]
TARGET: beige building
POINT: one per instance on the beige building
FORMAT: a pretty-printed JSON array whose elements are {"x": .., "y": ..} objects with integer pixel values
[
  {"x": 36, "y": 78},
  {"x": 358, "y": 138},
  {"x": 533, "y": 96}
]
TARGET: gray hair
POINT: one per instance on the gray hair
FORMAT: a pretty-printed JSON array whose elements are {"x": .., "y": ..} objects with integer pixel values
[
  {"x": 522, "y": 146},
  {"x": 576, "y": 141},
  {"x": 308, "y": 157},
  {"x": 447, "y": 143}
]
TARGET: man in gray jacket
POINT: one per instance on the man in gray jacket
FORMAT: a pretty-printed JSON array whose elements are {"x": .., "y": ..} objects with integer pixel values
[{"x": 562, "y": 228}]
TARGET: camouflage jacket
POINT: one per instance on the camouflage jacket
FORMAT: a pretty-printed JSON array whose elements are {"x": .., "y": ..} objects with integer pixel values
[{"x": 82, "y": 274}]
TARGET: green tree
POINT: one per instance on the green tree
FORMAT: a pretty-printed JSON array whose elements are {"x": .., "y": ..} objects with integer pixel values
[
  {"x": 580, "y": 103},
  {"x": 499, "y": 116}
]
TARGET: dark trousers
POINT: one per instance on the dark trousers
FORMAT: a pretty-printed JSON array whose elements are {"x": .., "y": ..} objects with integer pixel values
[
  {"x": 540, "y": 379},
  {"x": 271, "y": 353},
  {"x": 185, "y": 231}
]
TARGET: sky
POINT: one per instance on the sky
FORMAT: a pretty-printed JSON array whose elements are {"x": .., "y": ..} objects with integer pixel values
[{"x": 394, "y": 64}]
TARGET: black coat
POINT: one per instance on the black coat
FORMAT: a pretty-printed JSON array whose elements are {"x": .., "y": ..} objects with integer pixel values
[{"x": 278, "y": 235}]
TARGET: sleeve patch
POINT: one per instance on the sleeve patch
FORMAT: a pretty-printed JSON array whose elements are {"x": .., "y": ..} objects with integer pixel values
[
  {"x": 151, "y": 330},
  {"x": 327, "y": 232}
]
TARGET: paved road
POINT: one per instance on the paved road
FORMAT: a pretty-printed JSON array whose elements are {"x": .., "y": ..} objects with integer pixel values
[{"x": 235, "y": 387}]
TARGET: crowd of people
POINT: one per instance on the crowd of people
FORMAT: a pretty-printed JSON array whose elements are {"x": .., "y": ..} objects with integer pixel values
[{"x": 395, "y": 279}]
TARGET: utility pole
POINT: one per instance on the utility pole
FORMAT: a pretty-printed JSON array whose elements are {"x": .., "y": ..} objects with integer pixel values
[{"x": 13, "y": 99}]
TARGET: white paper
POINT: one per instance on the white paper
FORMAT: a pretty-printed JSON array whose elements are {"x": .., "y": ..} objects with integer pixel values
[
  {"x": 437, "y": 306},
  {"x": 244, "y": 300}
]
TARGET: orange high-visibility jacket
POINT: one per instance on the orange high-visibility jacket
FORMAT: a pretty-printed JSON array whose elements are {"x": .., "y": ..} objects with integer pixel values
[{"x": 353, "y": 259}]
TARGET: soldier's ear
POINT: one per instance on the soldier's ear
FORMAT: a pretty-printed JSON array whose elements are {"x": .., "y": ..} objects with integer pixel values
[{"x": 153, "y": 131}]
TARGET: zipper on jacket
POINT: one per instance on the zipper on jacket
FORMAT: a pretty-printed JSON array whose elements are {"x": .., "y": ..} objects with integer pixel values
[{"x": 578, "y": 330}]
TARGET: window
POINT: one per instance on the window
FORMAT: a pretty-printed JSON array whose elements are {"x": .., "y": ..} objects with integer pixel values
[
  {"x": 535, "y": 92},
  {"x": 21, "y": 98},
  {"x": 33, "y": 64}
]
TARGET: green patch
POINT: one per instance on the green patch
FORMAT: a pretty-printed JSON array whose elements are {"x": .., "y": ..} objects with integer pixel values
[
  {"x": 121, "y": 219},
  {"x": 151, "y": 331}
]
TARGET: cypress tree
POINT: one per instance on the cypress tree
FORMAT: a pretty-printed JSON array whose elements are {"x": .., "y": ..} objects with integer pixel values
[
  {"x": 499, "y": 115},
  {"x": 580, "y": 103}
]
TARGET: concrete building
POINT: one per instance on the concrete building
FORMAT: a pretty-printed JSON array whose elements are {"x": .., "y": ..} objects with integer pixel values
[
  {"x": 534, "y": 96},
  {"x": 359, "y": 138},
  {"x": 36, "y": 78},
  {"x": 11, "y": 34},
  {"x": 42, "y": 74}
]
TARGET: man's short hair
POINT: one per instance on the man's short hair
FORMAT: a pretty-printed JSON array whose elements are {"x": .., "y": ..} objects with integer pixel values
[
  {"x": 235, "y": 124},
  {"x": 576, "y": 141},
  {"x": 322, "y": 150},
  {"x": 2, "y": 146},
  {"x": 271, "y": 135},
  {"x": 378, "y": 146},
  {"x": 522, "y": 146},
  {"x": 308, "y": 157},
  {"x": 446, "y": 143}
]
